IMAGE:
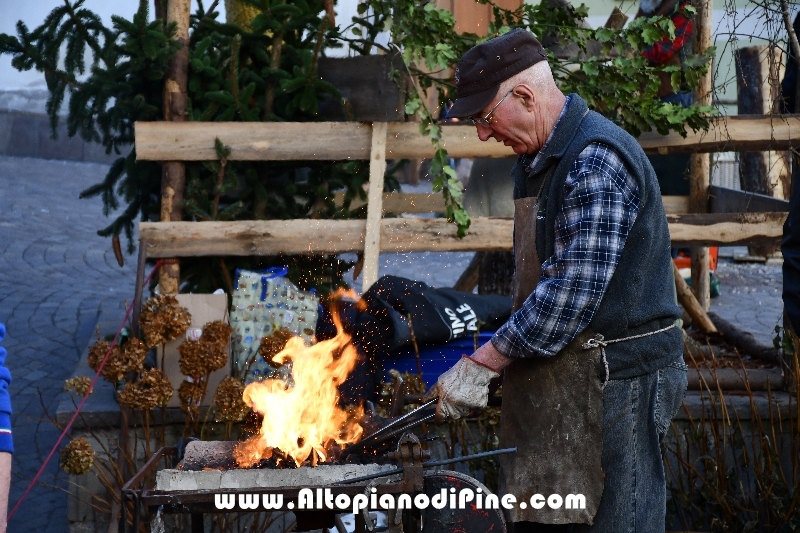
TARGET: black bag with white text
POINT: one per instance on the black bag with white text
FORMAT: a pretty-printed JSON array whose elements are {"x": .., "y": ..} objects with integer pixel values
[{"x": 437, "y": 315}]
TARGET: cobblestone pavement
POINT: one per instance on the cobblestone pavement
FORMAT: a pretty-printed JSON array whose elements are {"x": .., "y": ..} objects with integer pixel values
[
  {"x": 57, "y": 277},
  {"x": 750, "y": 296}
]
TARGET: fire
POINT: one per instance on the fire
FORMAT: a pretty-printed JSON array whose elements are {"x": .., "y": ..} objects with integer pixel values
[{"x": 303, "y": 421}]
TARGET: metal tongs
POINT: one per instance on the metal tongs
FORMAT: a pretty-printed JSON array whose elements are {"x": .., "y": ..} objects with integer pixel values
[{"x": 395, "y": 427}]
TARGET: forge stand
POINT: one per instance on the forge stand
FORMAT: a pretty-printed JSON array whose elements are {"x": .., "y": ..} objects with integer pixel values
[{"x": 196, "y": 492}]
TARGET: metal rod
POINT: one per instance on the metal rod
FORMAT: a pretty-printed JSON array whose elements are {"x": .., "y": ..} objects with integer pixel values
[
  {"x": 402, "y": 418},
  {"x": 370, "y": 476},
  {"x": 480, "y": 455},
  {"x": 470, "y": 457},
  {"x": 360, "y": 445},
  {"x": 401, "y": 429}
]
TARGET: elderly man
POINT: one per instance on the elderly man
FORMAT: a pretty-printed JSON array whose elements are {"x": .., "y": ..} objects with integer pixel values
[{"x": 592, "y": 355}]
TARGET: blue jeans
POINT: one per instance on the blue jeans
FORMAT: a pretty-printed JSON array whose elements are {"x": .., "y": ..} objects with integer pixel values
[{"x": 636, "y": 417}]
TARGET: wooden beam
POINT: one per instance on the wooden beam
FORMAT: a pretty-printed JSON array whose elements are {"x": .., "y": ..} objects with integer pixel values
[
  {"x": 268, "y": 237},
  {"x": 725, "y": 229},
  {"x": 730, "y": 134},
  {"x": 271, "y": 141},
  {"x": 674, "y": 205},
  {"x": 690, "y": 304},
  {"x": 372, "y": 240}
]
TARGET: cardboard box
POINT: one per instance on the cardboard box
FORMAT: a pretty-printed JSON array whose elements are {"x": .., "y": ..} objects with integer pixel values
[{"x": 204, "y": 308}]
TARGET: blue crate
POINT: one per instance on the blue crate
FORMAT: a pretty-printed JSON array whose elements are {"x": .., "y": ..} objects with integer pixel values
[{"x": 435, "y": 360}]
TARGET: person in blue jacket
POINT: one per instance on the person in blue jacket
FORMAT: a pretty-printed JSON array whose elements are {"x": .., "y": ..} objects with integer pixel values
[{"x": 6, "y": 442}]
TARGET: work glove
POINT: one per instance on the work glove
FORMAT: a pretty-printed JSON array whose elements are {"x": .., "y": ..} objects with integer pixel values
[{"x": 461, "y": 389}]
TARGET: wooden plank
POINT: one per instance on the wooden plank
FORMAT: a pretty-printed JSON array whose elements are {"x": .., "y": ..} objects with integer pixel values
[
  {"x": 271, "y": 141},
  {"x": 739, "y": 133},
  {"x": 303, "y": 141},
  {"x": 726, "y": 229},
  {"x": 269, "y": 237},
  {"x": 372, "y": 240},
  {"x": 253, "y": 141},
  {"x": 251, "y": 237},
  {"x": 675, "y": 204}
]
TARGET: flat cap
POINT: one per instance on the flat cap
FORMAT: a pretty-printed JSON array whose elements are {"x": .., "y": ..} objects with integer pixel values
[{"x": 484, "y": 67}]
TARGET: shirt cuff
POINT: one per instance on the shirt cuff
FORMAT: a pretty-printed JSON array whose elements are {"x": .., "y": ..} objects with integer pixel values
[
  {"x": 6, "y": 440},
  {"x": 509, "y": 342}
]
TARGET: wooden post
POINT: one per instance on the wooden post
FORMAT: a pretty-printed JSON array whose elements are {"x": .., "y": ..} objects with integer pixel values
[
  {"x": 372, "y": 239},
  {"x": 690, "y": 304},
  {"x": 160, "y": 8},
  {"x": 758, "y": 89},
  {"x": 496, "y": 274},
  {"x": 700, "y": 179},
  {"x": 173, "y": 177}
]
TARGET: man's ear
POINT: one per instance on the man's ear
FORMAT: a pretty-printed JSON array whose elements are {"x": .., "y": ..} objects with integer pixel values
[{"x": 525, "y": 93}]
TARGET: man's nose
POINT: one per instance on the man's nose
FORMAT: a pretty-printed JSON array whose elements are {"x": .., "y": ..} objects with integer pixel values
[{"x": 484, "y": 132}]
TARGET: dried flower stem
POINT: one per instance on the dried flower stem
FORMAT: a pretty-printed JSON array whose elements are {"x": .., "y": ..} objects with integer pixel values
[{"x": 147, "y": 435}]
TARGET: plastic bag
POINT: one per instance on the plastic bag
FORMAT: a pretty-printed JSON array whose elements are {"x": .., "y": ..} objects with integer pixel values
[{"x": 263, "y": 302}]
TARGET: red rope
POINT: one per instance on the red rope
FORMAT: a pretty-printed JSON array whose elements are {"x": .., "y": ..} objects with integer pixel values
[{"x": 83, "y": 401}]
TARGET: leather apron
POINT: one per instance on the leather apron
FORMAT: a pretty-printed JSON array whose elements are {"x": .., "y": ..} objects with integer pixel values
[{"x": 552, "y": 408}]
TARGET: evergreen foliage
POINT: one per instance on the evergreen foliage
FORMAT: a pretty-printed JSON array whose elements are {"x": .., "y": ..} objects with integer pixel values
[{"x": 234, "y": 75}]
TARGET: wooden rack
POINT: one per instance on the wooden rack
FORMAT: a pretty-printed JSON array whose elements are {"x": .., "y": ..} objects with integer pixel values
[{"x": 192, "y": 141}]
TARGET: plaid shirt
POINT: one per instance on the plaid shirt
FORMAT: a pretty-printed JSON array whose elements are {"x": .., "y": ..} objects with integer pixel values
[
  {"x": 601, "y": 201},
  {"x": 661, "y": 51}
]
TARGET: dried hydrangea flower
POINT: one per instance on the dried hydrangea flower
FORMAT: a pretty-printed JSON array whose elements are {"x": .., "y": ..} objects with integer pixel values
[
  {"x": 153, "y": 389},
  {"x": 122, "y": 360},
  {"x": 228, "y": 402},
  {"x": 129, "y": 358},
  {"x": 199, "y": 358},
  {"x": 79, "y": 385},
  {"x": 217, "y": 332},
  {"x": 135, "y": 352},
  {"x": 98, "y": 351},
  {"x": 77, "y": 457},
  {"x": 191, "y": 395},
  {"x": 273, "y": 344},
  {"x": 163, "y": 319}
]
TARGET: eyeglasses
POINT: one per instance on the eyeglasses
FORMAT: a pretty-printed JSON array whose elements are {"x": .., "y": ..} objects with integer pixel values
[{"x": 484, "y": 121}]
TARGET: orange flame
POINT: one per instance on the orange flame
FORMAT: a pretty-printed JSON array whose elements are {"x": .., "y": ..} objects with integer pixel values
[{"x": 303, "y": 421}]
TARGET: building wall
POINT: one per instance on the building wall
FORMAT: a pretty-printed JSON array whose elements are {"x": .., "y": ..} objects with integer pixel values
[{"x": 474, "y": 17}]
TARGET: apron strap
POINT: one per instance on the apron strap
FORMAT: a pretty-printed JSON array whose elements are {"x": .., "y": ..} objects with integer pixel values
[{"x": 598, "y": 341}]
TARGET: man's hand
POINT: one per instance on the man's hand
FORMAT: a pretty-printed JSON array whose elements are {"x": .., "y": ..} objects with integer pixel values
[{"x": 461, "y": 389}]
